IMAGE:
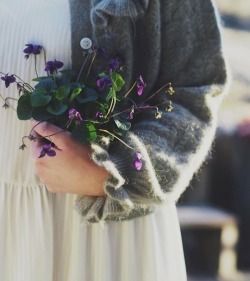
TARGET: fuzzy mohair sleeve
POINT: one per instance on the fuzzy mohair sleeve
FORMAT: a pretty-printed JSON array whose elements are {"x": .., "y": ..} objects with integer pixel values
[{"x": 174, "y": 146}]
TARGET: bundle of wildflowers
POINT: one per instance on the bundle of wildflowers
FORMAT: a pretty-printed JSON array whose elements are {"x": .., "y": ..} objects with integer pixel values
[{"x": 90, "y": 111}]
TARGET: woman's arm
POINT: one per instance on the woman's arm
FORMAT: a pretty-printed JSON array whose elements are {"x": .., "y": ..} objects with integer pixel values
[{"x": 173, "y": 147}]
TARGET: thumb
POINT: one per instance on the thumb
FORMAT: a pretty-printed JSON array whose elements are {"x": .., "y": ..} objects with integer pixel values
[{"x": 51, "y": 132}]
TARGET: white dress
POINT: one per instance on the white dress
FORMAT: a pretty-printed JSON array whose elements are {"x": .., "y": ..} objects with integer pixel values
[{"x": 41, "y": 237}]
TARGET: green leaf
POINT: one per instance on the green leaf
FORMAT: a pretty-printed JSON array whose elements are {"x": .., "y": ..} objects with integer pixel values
[
  {"x": 57, "y": 108},
  {"x": 62, "y": 92},
  {"x": 39, "y": 99},
  {"x": 122, "y": 125},
  {"x": 47, "y": 83},
  {"x": 38, "y": 79},
  {"x": 111, "y": 94},
  {"x": 91, "y": 131},
  {"x": 79, "y": 133},
  {"x": 24, "y": 108},
  {"x": 75, "y": 93},
  {"x": 41, "y": 114},
  {"x": 118, "y": 81},
  {"x": 87, "y": 96},
  {"x": 104, "y": 106}
]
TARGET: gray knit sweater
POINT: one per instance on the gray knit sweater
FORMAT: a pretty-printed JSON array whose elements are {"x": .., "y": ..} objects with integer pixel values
[{"x": 174, "y": 41}]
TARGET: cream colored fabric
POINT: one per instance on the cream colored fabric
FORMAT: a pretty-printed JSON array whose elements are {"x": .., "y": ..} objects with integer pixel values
[{"x": 41, "y": 237}]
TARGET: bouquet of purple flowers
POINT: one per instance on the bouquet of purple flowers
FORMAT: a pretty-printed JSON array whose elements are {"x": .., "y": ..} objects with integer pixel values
[{"x": 90, "y": 111}]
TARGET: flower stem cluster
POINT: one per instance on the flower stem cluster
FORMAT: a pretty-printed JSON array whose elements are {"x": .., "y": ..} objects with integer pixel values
[{"x": 90, "y": 111}]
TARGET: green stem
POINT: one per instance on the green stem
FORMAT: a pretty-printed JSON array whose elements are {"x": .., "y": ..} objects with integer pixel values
[
  {"x": 82, "y": 67},
  {"x": 45, "y": 59},
  {"x": 24, "y": 83},
  {"x": 155, "y": 93},
  {"x": 110, "y": 107},
  {"x": 36, "y": 67},
  {"x": 111, "y": 134},
  {"x": 91, "y": 64},
  {"x": 9, "y": 106},
  {"x": 130, "y": 90}
]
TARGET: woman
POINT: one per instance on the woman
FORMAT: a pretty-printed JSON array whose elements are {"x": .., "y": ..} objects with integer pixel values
[{"x": 45, "y": 200}]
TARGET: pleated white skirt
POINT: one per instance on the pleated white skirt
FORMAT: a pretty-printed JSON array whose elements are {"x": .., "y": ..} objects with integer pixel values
[{"x": 42, "y": 239}]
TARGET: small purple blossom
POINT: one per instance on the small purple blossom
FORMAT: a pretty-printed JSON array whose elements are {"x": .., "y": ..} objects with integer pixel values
[
  {"x": 103, "y": 82},
  {"x": 53, "y": 66},
  {"x": 8, "y": 79},
  {"x": 75, "y": 115},
  {"x": 99, "y": 114},
  {"x": 114, "y": 64},
  {"x": 140, "y": 85},
  {"x": 47, "y": 149},
  {"x": 32, "y": 49},
  {"x": 137, "y": 163}
]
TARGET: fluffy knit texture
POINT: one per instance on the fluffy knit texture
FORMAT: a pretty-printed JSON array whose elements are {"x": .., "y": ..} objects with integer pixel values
[{"x": 164, "y": 41}]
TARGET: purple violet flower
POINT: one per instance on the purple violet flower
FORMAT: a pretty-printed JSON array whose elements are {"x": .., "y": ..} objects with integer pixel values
[
  {"x": 137, "y": 163},
  {"x": 140, "y": 86},
  {"x": 32, "y": 49},
  {"x": 114, "y": 64},
  {"x": 53, "y": 66},
  {"x": 103, "y": 82},
  {"x": 47, "y": 150},
  {"x": 99, "y": 114},
  {"x": 8, "y": 79},
  {"x": 75, "y": 115}
]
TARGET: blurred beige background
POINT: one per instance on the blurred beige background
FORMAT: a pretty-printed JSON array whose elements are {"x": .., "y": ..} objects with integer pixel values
[
  {"x": 236, "y": 15},
  {"x": 221, "y": 191}
]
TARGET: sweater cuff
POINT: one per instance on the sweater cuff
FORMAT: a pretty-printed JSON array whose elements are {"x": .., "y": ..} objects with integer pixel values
[{"x": 117, "y": 204}]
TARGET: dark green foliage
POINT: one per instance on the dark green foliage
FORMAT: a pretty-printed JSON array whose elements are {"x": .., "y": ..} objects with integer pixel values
[{"x": 24, "y": 108}]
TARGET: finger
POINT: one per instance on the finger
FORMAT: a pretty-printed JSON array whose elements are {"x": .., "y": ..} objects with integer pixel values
[{"x": 51, "y": 132}]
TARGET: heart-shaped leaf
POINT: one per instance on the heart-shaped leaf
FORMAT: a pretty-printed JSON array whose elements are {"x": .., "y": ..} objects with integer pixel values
[
  {"x": 75, "y": 93},
  {"x": 87, "y": 96},
  {"x": 47, "y": 83},
  {"x": 57, "y": 108},
  {"x": 111, "y": 94},
  {"x": 62, "y": 92},
  {"x": 79, "y": 133},
  {"x": 41, "y": 114},
  {"x": 38, "y": 79},
  {"x": 91, "y": 132},
  {"x": 118, "y": 81},
  {"x": 39, "y": 99},
  {"x": 24, "y": 108}
]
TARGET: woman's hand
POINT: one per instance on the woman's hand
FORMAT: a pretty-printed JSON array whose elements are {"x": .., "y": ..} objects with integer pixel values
[{"x": 71, "y": 170}]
